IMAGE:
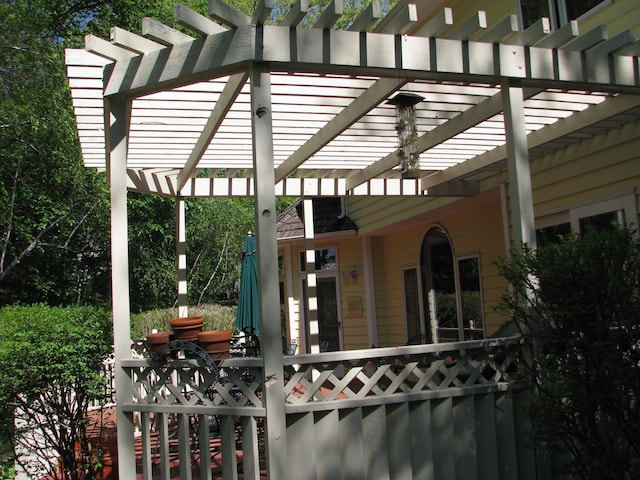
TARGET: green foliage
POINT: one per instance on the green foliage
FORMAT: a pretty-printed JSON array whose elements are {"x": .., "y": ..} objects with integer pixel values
[
  {"x": 54, "y": 212},
  {"x": 50, "y": 369},
  {"x": 216, "y": 317},
  {"x": 577, "y": 303},
  {"x": 7, "y": 470},
  {"x": 216, "y": 230}
]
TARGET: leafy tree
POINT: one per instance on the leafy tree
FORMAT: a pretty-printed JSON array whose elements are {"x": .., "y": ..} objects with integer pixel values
[
  {"x": 152, "y": 251},
  {"x": 53, "y": 213},
  {"x": 216, "y": 229},
  {"x": 50, "y": 369},
  {"x": 577, "y": 303}
]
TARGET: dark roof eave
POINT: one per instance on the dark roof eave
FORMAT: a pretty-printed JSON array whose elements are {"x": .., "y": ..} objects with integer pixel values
[{"x": 320, "y": 236}]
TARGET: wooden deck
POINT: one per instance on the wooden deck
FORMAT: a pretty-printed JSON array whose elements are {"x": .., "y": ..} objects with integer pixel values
[{"x": 103, "y": 431}]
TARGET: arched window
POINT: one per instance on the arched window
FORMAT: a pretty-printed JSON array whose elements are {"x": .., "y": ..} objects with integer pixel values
[{"x": 451, "y": 290}]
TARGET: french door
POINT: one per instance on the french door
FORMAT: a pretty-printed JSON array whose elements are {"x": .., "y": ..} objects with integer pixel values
[{"x": 329, "y": 325}]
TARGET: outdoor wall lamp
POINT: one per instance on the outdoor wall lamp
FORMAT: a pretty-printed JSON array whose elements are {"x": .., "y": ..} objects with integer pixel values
[
  {"x": 350, "y": 274},
  {"x": 407, "y": 131}
]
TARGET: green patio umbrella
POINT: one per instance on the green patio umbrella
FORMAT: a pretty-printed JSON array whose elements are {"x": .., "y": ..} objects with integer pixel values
[{"x": 247, "y": 316}]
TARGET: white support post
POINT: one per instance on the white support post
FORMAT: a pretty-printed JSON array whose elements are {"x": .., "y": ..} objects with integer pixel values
[
  {"x": 370, "y": 289},
  {"x": 117, "y": 116},
  {"x": 295, "y": 329},
  {"x": 520, "y": 192},
  {"x": 270, "y": 329},
  {"x": 181, "y": 254},
  {"x": 312, "y": 281}
]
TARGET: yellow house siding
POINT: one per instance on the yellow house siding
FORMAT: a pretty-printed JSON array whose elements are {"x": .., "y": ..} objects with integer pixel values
[
  {"x": 474, "y": 226},
  {"x": 372, "y": 214},
  {"x": 600, "y": 166},
  {"x": 479, "y": 230},
  {"x": 618, "y": 16},
  {"x": 399, "y": 249},
  {"x": 352, "y": 292}
]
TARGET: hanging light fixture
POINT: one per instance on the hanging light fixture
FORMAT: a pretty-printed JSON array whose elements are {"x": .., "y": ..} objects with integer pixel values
[{"x": 407, "y": 131}]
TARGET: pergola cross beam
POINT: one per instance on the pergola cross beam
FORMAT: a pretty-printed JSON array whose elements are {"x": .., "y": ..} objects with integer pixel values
[
  {"x": 229, "y": 94},
  {"x": 365, "y": 102}
]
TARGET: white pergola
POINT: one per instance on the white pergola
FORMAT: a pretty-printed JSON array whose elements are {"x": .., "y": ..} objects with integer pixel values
[{"x": 243, "y": 108}]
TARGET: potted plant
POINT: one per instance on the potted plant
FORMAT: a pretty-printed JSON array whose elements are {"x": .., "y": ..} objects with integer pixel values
[
  {"x": 158, "y": 342},
  {"x": 187, "y": 328},
  {"x": 215, "y": 342}
]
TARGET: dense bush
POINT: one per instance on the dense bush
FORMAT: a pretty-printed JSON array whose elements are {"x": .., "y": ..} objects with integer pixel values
[
  {"x": 216, "y": 317},
  {"x": 50, "y": 369},
  {"x": 577, "y": 303}
]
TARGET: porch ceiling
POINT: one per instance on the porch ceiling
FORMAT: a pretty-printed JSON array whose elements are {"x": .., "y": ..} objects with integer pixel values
[{"x": 333, "y": 131}]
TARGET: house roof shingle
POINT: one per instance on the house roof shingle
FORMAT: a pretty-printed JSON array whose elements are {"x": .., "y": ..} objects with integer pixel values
[{"x": 328, "y": 217}]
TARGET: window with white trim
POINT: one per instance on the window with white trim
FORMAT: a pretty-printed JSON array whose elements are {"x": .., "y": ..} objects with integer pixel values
[
  {"x": 559, "y": 12},
  {"x": 326, "y": 259},
  {"x": 601, "y": 213},
  {"x": 415, "y": 328},
  {"x": 451, "y": 290}
]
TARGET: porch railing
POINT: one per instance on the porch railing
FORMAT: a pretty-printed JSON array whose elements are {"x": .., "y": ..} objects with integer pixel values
[{"x": 425, "y": 411}]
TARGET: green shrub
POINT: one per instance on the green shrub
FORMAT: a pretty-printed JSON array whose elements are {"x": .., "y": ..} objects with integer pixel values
[
  {"x": 7, "y": 470},
  {"x": 577, "y": 304},
  {"x": 216, "y": 317},
  {"x": 50, "y": 369}
]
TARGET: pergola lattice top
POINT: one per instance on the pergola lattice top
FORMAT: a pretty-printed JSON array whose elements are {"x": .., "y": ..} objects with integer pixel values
[{"x": 333, "y": 131}]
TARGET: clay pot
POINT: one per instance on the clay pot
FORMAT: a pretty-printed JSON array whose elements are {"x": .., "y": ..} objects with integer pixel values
[
  {"x": 187, "y": 328},
  {"x": 159, "y": 342},
  {"x": 215, "y": 343}
]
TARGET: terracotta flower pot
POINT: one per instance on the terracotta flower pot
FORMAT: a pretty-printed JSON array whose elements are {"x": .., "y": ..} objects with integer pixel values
[
  {"x": 187, "y": 328},
  {"x": 215, "y": 343},
  {"x": 159, "y": 342}
]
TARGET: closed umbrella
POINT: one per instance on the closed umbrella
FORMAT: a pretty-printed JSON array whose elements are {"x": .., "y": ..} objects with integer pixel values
[{"x": 247, "y": 316}]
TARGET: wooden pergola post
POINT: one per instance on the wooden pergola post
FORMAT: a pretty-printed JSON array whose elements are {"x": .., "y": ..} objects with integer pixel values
[
  {"x": 518, "y": 167},
  {"x": 117, "y": 114},
  {"x": 270, "y": 329}
]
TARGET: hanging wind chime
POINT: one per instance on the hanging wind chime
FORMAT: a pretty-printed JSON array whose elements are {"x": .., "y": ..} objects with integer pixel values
[{"x": 407, "y": 132}]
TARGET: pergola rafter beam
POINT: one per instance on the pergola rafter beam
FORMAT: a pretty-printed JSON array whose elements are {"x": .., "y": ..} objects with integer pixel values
[
  {"x": 196, "y": 22},
  {"x": 348, "y": 53},
  {"x": 263, "y": 11},
  {"x": 560, "y": 37},
  {"x": 607, "y": 109},
  {"x": 458, "y": 124},
  {"x": 438, "y": 24},
  {"x": 163, "y": 34},
  {"x": 403, "y": 22},
  {"x": 296, "y": 14},
  {"x": 330, "y": 15},
  {"x": 533, "y": 34},
  {"x": 630, "y": 50},
  {"x": 231, "y": 90},
  {"x": 106, "y": 49},
  {"x": 506, "y": 28},
  {"x": 588, "y": 40},
  {"x": 137, "y": 44},
  {"x": 472, "y": 26},
  {"x": 380, "y": 90},
  {"x": 227, "y": 15},
  {"x": 367, "y": 18},
  {"x": 614, "y": 44}
]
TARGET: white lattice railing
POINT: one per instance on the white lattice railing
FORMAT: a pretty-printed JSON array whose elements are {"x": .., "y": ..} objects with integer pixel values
[
  {"x": 198, "y": 414},
  {"x": 403, "y": 373},
  {"x": 203, "y": 415}
]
